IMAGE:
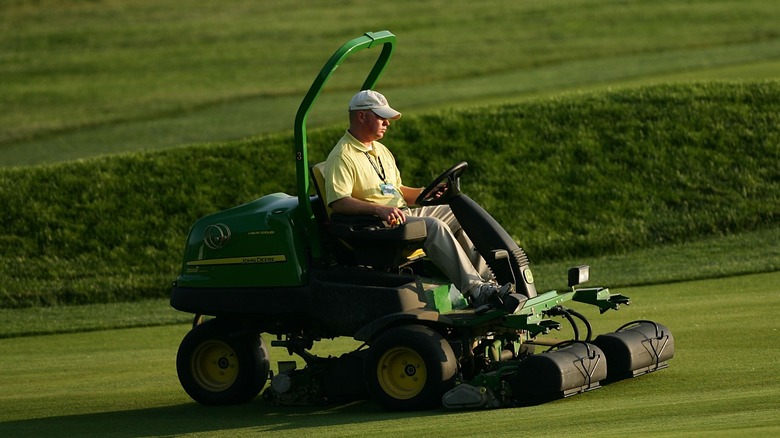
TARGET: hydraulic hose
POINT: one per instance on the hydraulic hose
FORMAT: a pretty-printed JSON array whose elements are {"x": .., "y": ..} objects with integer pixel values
[
  {"x": 566, "y": 313},
  {"x": 585, "y": 321}
]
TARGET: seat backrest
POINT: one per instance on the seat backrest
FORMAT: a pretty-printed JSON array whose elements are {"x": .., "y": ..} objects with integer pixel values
[
  {"x": 318, "y": 178},
  {"x": 363, "y": 239}
]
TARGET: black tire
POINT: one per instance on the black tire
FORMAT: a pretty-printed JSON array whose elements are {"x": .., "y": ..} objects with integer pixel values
[
  {"x": 410, "y": 368},
  {"x": 216, "y": 366}
]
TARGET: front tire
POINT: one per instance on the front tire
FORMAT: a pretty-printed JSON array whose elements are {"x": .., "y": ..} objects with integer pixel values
[
  {"x": 410, "y": 368},
  {"x": 217, "y": 366}
]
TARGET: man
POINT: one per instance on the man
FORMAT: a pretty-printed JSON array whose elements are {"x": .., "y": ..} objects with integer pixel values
[{"x": 361, "y": 177}]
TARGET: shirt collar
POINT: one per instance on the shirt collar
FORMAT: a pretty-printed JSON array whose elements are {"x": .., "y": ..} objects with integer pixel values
[{"x": 355, "y": 143}]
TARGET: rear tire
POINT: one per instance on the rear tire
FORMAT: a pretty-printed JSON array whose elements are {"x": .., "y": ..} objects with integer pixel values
[
  {"x": 410, "y": 368},
  {"x": 216, "y": 366}
]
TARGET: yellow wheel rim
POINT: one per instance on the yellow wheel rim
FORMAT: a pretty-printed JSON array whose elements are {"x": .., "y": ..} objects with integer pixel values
[
  {"x": 401, "y": 373},
  {"x": 214, "y": 366}
]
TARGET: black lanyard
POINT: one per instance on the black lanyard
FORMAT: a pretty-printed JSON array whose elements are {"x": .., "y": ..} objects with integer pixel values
[{"x": 382, "y": 174}]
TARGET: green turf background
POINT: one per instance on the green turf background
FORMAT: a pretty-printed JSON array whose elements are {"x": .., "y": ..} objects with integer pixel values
[{"x": 723, "y": 381}]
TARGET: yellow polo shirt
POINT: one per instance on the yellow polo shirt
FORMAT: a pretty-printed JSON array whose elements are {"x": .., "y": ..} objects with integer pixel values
[{"x": 348, "y": 172}]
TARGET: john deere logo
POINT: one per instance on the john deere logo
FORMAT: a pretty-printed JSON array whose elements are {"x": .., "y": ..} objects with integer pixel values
[{"x": 216, "y": 236}]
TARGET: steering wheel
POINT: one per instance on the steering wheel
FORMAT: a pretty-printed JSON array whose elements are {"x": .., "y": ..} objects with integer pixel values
[{"x": 449, "y": 181}]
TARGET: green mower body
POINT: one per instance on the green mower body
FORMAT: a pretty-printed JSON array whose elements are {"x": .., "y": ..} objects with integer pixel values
[{"x": 252, "y": 245}]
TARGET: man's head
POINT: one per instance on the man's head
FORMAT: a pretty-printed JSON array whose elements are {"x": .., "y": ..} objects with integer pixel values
[
  {"x": 374, "y": 101},
  {"x": 369, "y": 116}
]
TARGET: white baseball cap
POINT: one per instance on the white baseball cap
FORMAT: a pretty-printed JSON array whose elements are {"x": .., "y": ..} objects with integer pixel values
[{"x": 370, "y": 99}]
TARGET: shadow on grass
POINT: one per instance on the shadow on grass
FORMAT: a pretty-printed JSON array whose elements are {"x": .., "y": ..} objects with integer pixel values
[{"x": 252, "y": 418}]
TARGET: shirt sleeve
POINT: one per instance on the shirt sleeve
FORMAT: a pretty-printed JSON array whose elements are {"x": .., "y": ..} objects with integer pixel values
[{"x": 339, "y": 178}]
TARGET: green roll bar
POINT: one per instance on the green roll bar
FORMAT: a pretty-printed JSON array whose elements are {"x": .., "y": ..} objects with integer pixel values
[{"x": 367, "y": 41}]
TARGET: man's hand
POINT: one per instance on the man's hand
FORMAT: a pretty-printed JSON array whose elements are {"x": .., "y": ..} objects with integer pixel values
[
  {"x": 392, "y": 216},
  {"x": 441, "y": 190}
]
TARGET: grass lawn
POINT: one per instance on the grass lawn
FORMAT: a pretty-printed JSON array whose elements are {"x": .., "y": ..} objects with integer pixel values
[
  {"x": 723, "y": 381},
  {"x": 89, "y": 78},
  {"x": 81, "y": 79}
]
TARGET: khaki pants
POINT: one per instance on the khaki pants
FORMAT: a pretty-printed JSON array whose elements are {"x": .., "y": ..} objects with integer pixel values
[{"x": 448, "y": 246}]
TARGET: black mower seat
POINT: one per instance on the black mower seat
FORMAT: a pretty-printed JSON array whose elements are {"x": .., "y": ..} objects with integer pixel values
[{"x": 366, "y": 240}]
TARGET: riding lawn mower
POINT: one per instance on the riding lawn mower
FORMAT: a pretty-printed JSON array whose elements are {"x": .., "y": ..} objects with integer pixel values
[{"x": 283, "y": 267}]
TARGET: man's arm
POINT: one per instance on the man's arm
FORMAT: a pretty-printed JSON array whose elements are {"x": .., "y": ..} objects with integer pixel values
[
  {"x": 410, "y": 194},
  {"x": 348, "y": 205}
]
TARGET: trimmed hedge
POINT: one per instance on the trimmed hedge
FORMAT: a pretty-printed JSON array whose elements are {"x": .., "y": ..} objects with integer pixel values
[{"x": 579, "y": 175}]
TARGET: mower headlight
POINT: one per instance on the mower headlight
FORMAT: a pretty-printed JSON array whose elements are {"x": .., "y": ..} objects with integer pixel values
[{"x": 579, "y": 275}]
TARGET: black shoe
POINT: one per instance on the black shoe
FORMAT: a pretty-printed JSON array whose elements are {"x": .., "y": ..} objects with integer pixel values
[{"x": 492, "y": 294}]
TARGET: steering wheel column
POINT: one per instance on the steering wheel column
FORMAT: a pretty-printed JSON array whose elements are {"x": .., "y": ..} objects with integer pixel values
[{"x": 506, "y": 259}]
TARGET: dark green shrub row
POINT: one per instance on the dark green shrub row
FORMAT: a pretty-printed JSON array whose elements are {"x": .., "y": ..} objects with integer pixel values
[
  {"x": 574, "y": 176},
  {"x": 609, "y": 172}
]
